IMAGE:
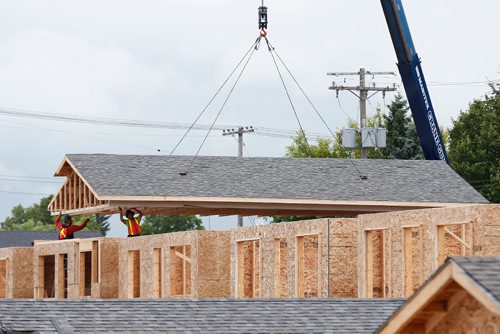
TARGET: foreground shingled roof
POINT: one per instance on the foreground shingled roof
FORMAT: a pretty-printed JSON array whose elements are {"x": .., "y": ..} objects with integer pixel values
[
  {"x": 485, "y": 271},
  {"x": 256, "y": 186},
  {"x": 26, "y": 238},
  {"x": 458, "y": 277},
  {"x": 201, "y": 316}
]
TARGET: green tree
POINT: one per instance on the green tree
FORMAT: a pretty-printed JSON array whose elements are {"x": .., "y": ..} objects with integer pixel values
[
  {"x": 102, "y": 221},
  {"x": 32, "y": 225},
  {"x": 37, "y": 212},
  {"x": 38, "y": 218},
  {"x": 327, "y": 148},
  {"x": 402, "y": 138},
  {"x": 165, "y": 224},
  {"x": 474, "y": 145}
]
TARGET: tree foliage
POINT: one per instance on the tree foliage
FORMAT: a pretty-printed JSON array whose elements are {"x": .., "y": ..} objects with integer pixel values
[
  {"x": 327, "y": 148},
  {"x": 165, "y": 224},
  {"x": 38, "y": 218},
  {"x": 474, "y": 145},
  {"x": 38, "y": 213},
  {"x": 102, "y": 222},
  {"x": 402, "y": 138}
]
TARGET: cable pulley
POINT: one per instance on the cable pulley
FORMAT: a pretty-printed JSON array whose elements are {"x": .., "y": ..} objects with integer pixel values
[{"x": 262, "y": 19}]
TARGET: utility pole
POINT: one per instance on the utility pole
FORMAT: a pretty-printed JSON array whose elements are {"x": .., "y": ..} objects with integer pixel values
[
  {"x": 363, "y": 94},
  {"x": 240, "y": 131}
]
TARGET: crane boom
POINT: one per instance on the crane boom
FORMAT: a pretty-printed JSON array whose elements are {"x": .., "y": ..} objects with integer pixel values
[{"x": 410, "y": 68}]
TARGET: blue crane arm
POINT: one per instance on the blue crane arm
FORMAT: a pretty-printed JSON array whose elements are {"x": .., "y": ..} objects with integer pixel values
[{"x": 414, "y": 82}]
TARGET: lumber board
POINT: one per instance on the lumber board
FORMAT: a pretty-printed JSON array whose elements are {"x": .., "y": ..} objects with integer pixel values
[
  {"x": 300, "y": 266},
  {"x": 277, "y": 267},
  {"x": 408, "y": 252},
  {"x": 369, "y": 264}
]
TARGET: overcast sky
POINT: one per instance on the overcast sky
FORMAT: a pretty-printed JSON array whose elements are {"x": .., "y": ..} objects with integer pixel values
[{"x": 162, "y": 61}]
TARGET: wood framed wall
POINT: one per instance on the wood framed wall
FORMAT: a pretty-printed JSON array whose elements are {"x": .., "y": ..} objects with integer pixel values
[
  {"x": 307, "y": 266},
  {"x": 134, "y": 274},
  {"x": 249, "y": 270},
  {"x": 157, "y": 273},
  {"x": 180, "y": 270},
  {"x": 418, "y": 241},
  {"x": 375, "y": 259},
  {"x": 328, "y": 269},
  {"x": 177, "y": 265},
  {"x": 81, "y": 270},
  {"x": 280, "y": 268},
  {"x": 16, "y": 272}
]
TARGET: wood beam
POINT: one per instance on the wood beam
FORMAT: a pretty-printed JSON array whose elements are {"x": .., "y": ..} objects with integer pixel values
[
  {"x": 75, "y": 191},
  {"x": 300, "y": 258},
  {"x": 404, "y": 316},
  {"x": 240, "y": 288},
  {"x": 182, "y": 255},
  {"x": 436, "y": 318},
  {"x": 436, "y": 307},
  {"x": 408, "y": 258},
  {"x": 441, "y": 239},
  {"x": 254, "y": 265},
  {"x": 457, "y": 237},
  {"x": 277, "y": 267},
  {"x": 369, "y": 264},
  {"x": 463, "y": 250},
  {"x": 183, "y": 270}
]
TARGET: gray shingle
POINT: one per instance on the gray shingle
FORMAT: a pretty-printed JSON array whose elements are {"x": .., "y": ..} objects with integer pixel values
[
  {"x": 320, "y": 179},
  {"x": 26, "y": 238},
  {"x": 201, "y": 316},
  {"x": 484, "y": 270}
]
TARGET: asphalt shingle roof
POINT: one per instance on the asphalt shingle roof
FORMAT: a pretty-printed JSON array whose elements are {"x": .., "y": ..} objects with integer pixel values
[
  {"x": 26, "y": 238},
  {"x": 199, "y": 316},
  {"x": 483, "y": 270},
  {"x": 285, "y": 178}
]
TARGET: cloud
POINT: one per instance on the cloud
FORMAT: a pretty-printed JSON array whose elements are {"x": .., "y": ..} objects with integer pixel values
[{"x": 58, "y": 72}]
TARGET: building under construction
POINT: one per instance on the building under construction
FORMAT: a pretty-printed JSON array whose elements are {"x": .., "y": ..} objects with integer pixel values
[{"x": 395, "y": 233}]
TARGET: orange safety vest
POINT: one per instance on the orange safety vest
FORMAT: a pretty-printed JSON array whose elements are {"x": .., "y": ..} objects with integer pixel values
[
  {"x": 62, "y": 233},
  {"x": 134, "y": 226}
]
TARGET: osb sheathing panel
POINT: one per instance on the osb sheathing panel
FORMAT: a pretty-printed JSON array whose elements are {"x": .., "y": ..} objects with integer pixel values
[
  {"x": 3, "y": 277},
  {"x": 107, "y": 287},
  {"x": 337, "y": 261},
  {"x": 107, "y": 266},
  {"x": 482, "y": 231},
  {"x": 209, "y": 262},
  {"x": 469, "y": 316},
  {"x": 22, "y": 273},
  {"x": 19, "y": 270}
]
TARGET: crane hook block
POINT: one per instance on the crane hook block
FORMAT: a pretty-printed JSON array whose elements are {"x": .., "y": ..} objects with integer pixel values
[{"x": 262, "y": 17}]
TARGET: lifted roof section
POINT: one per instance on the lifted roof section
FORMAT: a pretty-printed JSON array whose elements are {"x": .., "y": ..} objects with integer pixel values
[{"x": 100, "y": 183}]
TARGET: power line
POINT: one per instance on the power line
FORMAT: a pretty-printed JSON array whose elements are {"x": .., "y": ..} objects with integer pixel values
[
  {"x": 263, "y": 131},
  {"x": 23, "y": 193},
  {"x": 34, "y": 127},
  {"x": 30, "y": 181},
  {"x": 26, "y": 177},
  {"x": 462, "y": 83}
]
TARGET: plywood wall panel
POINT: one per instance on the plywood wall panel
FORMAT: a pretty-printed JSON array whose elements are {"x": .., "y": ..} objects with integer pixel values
[
  {"x": 335, "y": 266},
  {"x": 477, "y": 225}
]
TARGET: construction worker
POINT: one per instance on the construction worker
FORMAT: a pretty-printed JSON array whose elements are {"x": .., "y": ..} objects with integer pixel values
[
  {"x": 133, "y": 223},
  {"x": 66, "y": 229}
]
